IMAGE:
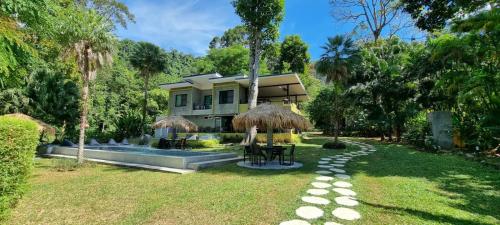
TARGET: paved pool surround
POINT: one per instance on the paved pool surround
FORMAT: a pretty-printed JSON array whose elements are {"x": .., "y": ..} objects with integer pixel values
[{"x": 177, "y": 159}]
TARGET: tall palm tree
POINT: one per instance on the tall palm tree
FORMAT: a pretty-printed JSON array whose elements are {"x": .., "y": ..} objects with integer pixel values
[
  {"x": 87, "y": 37},
  {"x": 339, "y": 53},
  {"x": 149, "y": 59}
]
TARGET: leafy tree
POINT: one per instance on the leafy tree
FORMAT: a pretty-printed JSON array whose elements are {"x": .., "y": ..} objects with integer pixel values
[
  {"x": 434, "y": 14},
  {"x": 327, "y": 110},
  {"x": 271, "y": 55},
  {"x": 335, "y": 64},
  {"x": 235, "y": 36},
  {"x": 261, "y": 19},
  {"x": 150, "y": 60},
  {"x": 232, "y": 60},
  {"x": 294, "y": 51},
  {"x": 87, "y": 37}
]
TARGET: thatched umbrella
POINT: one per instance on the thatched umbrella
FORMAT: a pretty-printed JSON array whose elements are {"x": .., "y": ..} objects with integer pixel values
[
  {"x": 42, "y": 127},
  {"x": 269, "y": 117},
  {"x": 176, "y": 122}
]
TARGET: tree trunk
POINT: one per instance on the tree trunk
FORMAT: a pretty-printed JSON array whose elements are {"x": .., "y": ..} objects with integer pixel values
[
  {"x": 84, "y": 106},
  {"x": 145, "y": 105},
  {"x": 398, "y": 133},
  {"x": 254, "y": 82},
  {"x": 389, "y": 133},
  {"x": 336, "y": 137},
  {"x": 269, "y": 137}
]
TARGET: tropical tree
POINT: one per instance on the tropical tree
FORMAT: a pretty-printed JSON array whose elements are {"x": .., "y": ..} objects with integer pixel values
[
  {"x": 88, "y": 38},
  {"x": 261, "y": 19},
  {"x": 232, "y": 60},
  {"x": 150, "y": 60},
  {"x": 335, "y": 63},
  {"x": 294, "y": 52}
]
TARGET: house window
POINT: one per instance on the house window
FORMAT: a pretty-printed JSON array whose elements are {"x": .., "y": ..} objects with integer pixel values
[
  {"x": 207, "y": 100},
  {"x": 226, "y": 97},
  {"x": 181, "y": 100}
]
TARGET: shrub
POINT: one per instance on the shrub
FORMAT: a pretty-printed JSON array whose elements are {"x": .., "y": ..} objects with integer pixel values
[
  {"x": 18, "y": 141},
  {"x": 334, "y": 145},
  {"x": 63, "y": 165},
  {"x": 231, "y": 137},
  {"x": 212, "y": 143}
]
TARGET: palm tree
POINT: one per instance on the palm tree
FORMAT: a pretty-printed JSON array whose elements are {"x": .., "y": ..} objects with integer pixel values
[
  {"x": 87, "y": 37},
  {"x": 337, "y": 59},
  {"x": 149, "y": 59}
]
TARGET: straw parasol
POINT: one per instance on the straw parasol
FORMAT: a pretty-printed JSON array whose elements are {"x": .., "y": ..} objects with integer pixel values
[
  {"x": 269, "y": 117},
  {"x": 176, "y": 122},
  {"x": 42, "y": 127}
]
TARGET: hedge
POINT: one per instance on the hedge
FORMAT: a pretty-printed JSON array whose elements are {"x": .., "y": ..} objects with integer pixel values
[
  {"x": 18, "y": 141},
  {"x": 261, "y": 137}
]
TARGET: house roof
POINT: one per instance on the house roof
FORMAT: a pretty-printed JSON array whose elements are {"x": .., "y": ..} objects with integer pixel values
[{"x": 275, "y": 85}]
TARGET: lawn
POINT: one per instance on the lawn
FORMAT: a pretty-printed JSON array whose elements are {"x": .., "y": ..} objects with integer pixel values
[{"x": 396, "y": 185}]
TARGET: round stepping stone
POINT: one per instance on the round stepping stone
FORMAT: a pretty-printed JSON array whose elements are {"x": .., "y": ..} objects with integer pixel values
[
  {"x": 323, "y": 172},
  {"x": 324, "y": 166},
  {"x": 344, "y": 191},
  {"x": 339, "y": 162},
  {"x": 326, "y": 159},
  {"x": 337, "y": 170},
  {"x": 324, "y": 178},
  {"x": 317, "y": 191},
  {"x": 346, "y": 201},
  {"x": 342, "y": 184},
  {"x": 342, "y": 159},
  {"x": 346, "y": 214},
  {"x": 337, "y": 165},
  {"x": 342, "y": 176},
  {"x": 332, "y": 223},
  {"x": 295, "y": 222},
  {"x": 309, "y": 212},
  {"x": 321, "y": 185},
  {"x": 316, "y": 200},
  {"x": 323, "y": 162}
]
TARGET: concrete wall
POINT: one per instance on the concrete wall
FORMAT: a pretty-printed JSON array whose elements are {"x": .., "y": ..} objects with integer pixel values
[
  {"x": 441, "y": 126},
  {"x": 223, "y": 109},
  {"x": 179, "y": 111}
]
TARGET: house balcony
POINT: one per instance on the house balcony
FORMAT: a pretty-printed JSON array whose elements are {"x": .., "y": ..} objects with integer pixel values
[
  {"x": 290, "y": 106},
  {"x": 201, "y": 110}
]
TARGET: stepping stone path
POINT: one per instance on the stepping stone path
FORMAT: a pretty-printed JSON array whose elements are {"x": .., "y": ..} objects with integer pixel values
[{"x": 343, "y": 195}]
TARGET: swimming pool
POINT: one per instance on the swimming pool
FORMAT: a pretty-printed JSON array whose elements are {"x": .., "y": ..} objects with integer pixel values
[{"x": 138, "y": 155}]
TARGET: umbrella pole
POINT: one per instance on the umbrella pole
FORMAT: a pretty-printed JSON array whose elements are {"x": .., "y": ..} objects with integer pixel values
[{"x": 269, "y": 137}]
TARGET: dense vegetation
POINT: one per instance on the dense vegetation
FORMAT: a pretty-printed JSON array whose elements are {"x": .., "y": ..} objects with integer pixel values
[
  {"x": 18, "y": 141},
  {"x": 392, "y": 84}
]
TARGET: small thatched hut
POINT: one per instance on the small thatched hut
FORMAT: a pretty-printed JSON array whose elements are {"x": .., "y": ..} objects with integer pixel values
[
  {"x": 176, "y": 122},
  {"x": 269, "y": 117}
]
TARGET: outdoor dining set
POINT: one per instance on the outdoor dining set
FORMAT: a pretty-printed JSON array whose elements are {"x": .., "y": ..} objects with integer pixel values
[{"x": 262, "y": 154}]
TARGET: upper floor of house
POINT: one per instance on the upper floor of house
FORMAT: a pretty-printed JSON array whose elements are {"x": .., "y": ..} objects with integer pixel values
[{"x": 214, "y": 94}]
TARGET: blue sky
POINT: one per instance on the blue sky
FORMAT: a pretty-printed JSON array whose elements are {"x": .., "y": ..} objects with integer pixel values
[{"x": 189, "y": 25}]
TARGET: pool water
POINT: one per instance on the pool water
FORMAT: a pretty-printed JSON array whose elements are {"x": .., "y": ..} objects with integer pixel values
[{"x": 150, "y": 151}]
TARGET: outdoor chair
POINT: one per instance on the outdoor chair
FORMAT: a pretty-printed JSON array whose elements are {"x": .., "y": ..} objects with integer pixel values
[
  {"x": 163, "y": 144},
  {"x": 278, "y": 151},
  {"x": 181, "y": 144},
  {"x": 258, "y": 155},
  {"x": 247, "y": 152},
  {"x": 291, "y": 156}
]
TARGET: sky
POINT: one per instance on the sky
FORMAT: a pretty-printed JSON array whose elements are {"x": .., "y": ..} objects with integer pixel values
[{"x": 189, "y": 25}]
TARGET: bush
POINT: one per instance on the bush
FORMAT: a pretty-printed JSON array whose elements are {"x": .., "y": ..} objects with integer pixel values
[
  {"x": 18, "y": 141},
  {"x": 212, "y": 143},
  {"x": 231, "y": 137},
  {"x": 63, "y": 165},
  {"x": 334, "y": 145}
]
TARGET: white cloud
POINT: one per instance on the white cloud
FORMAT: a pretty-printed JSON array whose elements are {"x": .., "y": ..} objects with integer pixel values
[{"x": 185, "y": 25}]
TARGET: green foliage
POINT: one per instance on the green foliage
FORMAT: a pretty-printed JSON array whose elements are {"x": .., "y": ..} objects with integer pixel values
[
  {"x": 234, "y": 36},
  {"x": 13, "y": 100},
  {"x": 417, "y": 129},
  {"x": 336, "y": 62},
  {"x": 229, "y": 61},
  {"x": 203, "y": 143},
  {"x": 128, "y": 125},
  {"x": 294, "y": 51},
  {"x": 334, "y": 145},
  {"x": 261, "y": 18},
  {"x": 18, "y": 141}
]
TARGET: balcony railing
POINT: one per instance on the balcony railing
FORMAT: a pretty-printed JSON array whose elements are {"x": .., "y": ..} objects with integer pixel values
[{"x": 202, "y": 107}]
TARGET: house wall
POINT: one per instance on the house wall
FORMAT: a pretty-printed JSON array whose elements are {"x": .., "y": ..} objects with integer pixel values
[
  {"x": 179, "y": 111},
  {"x": 223, "y": 109}
]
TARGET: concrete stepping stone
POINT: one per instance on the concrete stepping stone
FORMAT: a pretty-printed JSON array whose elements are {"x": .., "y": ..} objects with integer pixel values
[
  {"x": 346, "y": 201},
  {"x": 323, "y": 172},
  {"x": 337, "y": 165},
  {"x": 325, "y": 166},
  {"x": 339, "y": 162},
  {"x": 324, "y": 178},
  {"x": 321, "y": 185},
  {"x": 323, "y": 162},
  {"x": 332, "y": 223},
  {"x": 344, "y": 191},
  {"x": 295, "y": 222},
  {"x": 342, "y": 159},
  {"x": 342, "y": 184},
  {"x": 316, "y": 200},
  {"x": 346, "y": 214},
  {"x": 337, "y": 170},
  {"x": 342, "y": 176},
  {"x": 309, "y": 212},
  {"x": 317, "y": 191},
  {"x": 326, "y": 159}
]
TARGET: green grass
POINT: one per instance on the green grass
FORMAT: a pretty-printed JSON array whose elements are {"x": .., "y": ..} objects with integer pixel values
[{"x": 396, "y": 185}]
